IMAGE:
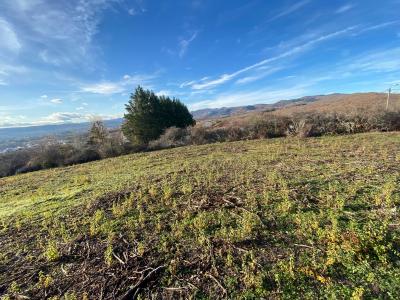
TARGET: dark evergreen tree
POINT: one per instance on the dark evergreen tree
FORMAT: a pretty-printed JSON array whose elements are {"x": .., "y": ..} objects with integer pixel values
[{"x": 148, "y": 115}]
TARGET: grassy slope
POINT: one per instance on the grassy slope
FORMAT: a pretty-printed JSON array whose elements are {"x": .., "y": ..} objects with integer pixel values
[
  {"x": 336, "y": 103},
  {"x": 280, "y": 218}
]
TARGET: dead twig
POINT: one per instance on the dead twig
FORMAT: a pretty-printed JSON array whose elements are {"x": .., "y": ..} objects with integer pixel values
[
  {"x": 306, "y": 246},
  {"x": 133, "y": 292},
  {"x": 218, "y": 283},
  {"x": 119, "y": 259}
]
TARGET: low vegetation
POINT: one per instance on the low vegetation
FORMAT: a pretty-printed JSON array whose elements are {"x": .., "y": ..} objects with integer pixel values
[
  {"x": 98, "y": 144},
  {"x": 282, "y": 218},
  {"x": 156, "y": 122},
  {"x": 274, "y": 126}
]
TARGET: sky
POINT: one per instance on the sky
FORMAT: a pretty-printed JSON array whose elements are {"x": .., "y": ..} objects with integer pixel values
[{"x": 72, "y": 61}]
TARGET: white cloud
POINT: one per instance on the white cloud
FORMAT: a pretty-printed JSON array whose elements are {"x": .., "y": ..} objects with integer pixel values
[
  {"x": 376, "y": 27},
  {"x": 164, "y": 93},
  {"x": 379, "y": 61},
  {"x": 8, "y": 38},
  {"x": 132, "y": 12},
  {"x": 247, "y": 98},
  {"x": 8, "y": 70},
  {"x": 293, "y": 51},
  {"x": 295, "y": 7},
  {"x": 344, "y": 8},
  {"x": 109, "y": 87},
  {"x": 258, "y": 76},
  {"x": 25, "y": 5},
  {"x": 10, "y": 121},
  {"x": 184, "y": 44},
  {"x": 72, "y": 117},
  {"x": 56, "y": 101},
  {"x": 44, "y": 97},
  {"x": 187, "y": 83},
  {"x": 63, "y": 117},
  {"x": 58, "y": 32},
  {"x": 54, "y": 118},
  {"x": 105, "y": 88}
]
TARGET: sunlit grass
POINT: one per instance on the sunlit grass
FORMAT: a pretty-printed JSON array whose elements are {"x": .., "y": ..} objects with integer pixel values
[{"x": 282, "y": 218}]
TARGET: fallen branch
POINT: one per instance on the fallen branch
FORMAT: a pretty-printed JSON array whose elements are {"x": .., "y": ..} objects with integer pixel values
[
  {"x": 132, "y": 293},
  {"x": 306, "y": 246},
  {"x": 218, "y": 283},
  {"x": 119, "y": 259}
]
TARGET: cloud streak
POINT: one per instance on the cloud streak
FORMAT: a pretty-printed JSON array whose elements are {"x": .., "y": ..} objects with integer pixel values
[
  {"x": 295, "y": 7},
  {"x": 254, "y": 97},
  {"x": 110, "y": 87},
  {"x": 344, "y": 8},
  {"x": 57, "y": 32},
  {"x": 295, "y": 50},
  {"x": 9, "y": 41},
  {"x": 184, "y": 44},
  {"x": 56, "y": 101}
]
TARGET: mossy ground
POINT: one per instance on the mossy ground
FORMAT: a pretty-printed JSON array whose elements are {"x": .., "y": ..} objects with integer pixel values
[{"x": 283, "y": 218}]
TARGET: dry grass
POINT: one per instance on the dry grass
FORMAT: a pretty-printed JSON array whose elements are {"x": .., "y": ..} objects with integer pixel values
[
  {"x": 279, "y": 219},
  {"x": 336, "y": 103}
]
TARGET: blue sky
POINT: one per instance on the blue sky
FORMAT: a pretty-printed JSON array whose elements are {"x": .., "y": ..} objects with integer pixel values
[{"x": 70, "y": 61}]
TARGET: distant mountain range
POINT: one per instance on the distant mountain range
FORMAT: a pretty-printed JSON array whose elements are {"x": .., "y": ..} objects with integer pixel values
[
  {"x": 55, "y": 130},
  {"x": 212, "y": 113},
  {"x": 332, "y": 102}
]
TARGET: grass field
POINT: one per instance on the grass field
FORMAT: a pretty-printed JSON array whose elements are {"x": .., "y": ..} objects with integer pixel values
[{"x": 282, "y": 218}]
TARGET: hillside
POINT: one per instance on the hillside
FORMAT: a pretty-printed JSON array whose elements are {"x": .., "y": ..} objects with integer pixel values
[
  {"x": 212, "y": 113},
  {"x": 19, "y": 137},
  {"x": 334, "y": 103},
  {"x": 282, "y": 218}
]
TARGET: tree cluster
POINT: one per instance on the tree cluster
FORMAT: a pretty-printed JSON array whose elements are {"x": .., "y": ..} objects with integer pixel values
[{"x": 148, "y": 115}]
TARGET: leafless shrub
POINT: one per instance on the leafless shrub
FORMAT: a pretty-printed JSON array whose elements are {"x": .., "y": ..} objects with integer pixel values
[
  {"x": 272, "y": 127},
  {"x": 172, "y": 137}
]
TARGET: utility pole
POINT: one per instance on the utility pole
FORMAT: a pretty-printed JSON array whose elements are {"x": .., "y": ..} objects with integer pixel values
[
  {"x": 389, "y": 92},
  {"x": 388, "y": 98}
]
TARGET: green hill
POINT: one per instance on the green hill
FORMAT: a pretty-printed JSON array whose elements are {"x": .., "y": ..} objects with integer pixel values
[{"x": 283, "y": 218}]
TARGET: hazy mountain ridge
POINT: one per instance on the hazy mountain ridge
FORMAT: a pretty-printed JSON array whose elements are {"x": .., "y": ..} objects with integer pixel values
[
  {"x": 211, "y": 113},
  {"x": 20, "y": 136}
]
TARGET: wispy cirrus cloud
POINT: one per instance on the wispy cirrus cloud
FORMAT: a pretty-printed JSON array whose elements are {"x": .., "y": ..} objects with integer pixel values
[
  {"x": 377, "y": 27},
  {"x": 120, "y": 86},
  {"x": 72, "y": 117},
  {"x": 9, "y": 41},
  {"x": 7, "y": 121},
  {"x": 56, "y": 101},
  {"x": 254, "y": 97},
  {"x": 387, "y": 60},
  {"x": 104, "y": 88},
  {"x": 291, "y": 9},
  {"x": 293, "y": 51},
  {"x": 345, "y": 8},
  {"x": 8, "y": 71},
  {"x": 185, "y": 43},
  {"x": 262, "y": 74},
  {"x": 55, "y": 32}
]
